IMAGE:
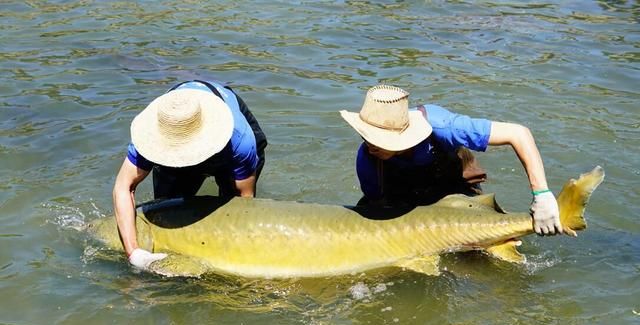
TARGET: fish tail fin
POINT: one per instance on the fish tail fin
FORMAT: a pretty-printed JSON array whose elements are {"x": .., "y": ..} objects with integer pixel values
[{"x": 573, "y": 199}]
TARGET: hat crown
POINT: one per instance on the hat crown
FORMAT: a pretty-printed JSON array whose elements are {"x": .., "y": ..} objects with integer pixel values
[
  {"x": 179, "y": 118},
  {"x": 386, "y": 107},
  {"x": 183, "y": 127}
]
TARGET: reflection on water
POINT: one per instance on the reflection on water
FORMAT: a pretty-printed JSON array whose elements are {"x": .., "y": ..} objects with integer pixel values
[{"x": 76, "y": 72}]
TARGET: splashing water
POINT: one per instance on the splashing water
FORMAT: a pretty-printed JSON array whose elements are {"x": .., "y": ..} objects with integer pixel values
[
  {"x": 542, "y": 261},
  {"x": 360, "y": 291},
  {"x": 69, "y": 216}
]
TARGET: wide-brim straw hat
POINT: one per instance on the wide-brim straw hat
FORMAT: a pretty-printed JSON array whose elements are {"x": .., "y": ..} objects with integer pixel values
[
  {"x": 385, "y": 120},
  {"x": 183, "y": 127}
]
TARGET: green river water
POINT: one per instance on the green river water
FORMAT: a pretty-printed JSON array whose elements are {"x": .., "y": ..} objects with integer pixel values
[{"x": 73, "y": 74}]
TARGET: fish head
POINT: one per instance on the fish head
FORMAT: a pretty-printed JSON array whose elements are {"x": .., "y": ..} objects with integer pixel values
[{"x": 105, "y": 230}]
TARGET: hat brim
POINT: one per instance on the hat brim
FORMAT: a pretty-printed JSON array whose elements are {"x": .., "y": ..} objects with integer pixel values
[
  {"x": 215, "y": 131},
  {"x": 418, "y": 130}
]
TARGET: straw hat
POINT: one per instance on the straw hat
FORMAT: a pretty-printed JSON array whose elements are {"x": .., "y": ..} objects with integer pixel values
[
  {"x": 385, "y": 120},
  {"x": 183, "y": 127}
]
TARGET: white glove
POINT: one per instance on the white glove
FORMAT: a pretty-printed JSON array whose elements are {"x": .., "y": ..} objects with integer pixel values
[
  {"x": 142, "y": 259},
  {"x": 546, "y": 216}
]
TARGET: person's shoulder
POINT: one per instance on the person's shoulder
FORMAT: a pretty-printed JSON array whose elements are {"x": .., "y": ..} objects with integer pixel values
[
  {"x": 363, "y": 157},
  {"x": 362, "y": 151},
  {"x": 437, "y": 115},
  {"x": 131, "y": 150},
  {"x": 137, "y": 159},
  {"x": 433, "y": 109},
  {"x": 194, "y": 85}
]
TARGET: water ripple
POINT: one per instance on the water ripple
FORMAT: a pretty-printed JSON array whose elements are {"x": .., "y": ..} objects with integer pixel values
[{"x": 77, "y": 72}]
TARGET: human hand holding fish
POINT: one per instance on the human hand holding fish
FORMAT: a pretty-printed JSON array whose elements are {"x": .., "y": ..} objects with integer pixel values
[
  {"x": 141, "y": 258},
  {"x": 546, "y": 216}
]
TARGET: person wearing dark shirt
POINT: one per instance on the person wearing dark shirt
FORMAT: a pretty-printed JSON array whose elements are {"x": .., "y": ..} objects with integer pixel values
[{"x": 417, "y": 156}]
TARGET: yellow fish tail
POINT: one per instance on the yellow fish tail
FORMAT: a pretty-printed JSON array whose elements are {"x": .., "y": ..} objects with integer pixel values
[{"x": 574, "y": 197}]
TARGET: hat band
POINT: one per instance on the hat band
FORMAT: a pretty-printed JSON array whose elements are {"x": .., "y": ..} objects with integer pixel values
[{"x": 385, "y": 127}]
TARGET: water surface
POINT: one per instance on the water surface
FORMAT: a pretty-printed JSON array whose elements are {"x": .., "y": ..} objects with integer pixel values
[{"x": 75, "y": 73}]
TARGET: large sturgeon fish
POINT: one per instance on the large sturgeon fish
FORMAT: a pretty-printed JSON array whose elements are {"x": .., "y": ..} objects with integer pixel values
[{"x": 263, "y": 238}]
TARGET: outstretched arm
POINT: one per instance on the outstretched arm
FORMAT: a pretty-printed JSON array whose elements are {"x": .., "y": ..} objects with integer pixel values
[
  {"x": 520, "y": 138},
  {"x": 544, "y": 206},
  {"x": 124, "y": 189}
]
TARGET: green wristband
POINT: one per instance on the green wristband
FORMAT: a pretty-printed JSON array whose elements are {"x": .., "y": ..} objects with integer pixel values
[{"x": 540, "y": 192}]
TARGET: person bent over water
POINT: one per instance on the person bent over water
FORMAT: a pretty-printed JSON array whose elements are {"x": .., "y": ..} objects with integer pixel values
[
  {"x": 195, "y": 130},
  {"x": 418, "y": 156}
]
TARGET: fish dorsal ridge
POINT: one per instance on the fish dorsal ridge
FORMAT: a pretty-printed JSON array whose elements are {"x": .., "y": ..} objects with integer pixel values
[{"x": 461, "y": 201}]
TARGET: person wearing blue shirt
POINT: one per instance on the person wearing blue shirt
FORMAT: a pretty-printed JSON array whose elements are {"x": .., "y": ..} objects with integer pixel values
[
  {"x": 418, "y": 156},
  {"x": 198, "y": 129}
]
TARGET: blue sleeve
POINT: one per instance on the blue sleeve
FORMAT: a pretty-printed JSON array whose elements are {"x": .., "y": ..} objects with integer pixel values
[
  {"x": 245, "y": 154},
  {"x": 367, "y": 174},
  {"x": 136, "y": 158},
  {"x": 455, "y": 130},
  {"x": 243, "y": 141}
]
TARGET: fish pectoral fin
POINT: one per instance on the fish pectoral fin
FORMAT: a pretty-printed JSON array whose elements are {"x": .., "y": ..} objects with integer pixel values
[
  {"x": 507, "y": 251},
  {"x": 423, "y": 264},
  {"x": 176, "y": 265}
]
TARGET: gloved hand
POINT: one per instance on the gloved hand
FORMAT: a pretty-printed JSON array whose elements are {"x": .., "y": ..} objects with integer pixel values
[
  {"x": 546, "y": 216},
  {"x": 141, "y": 258}
]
